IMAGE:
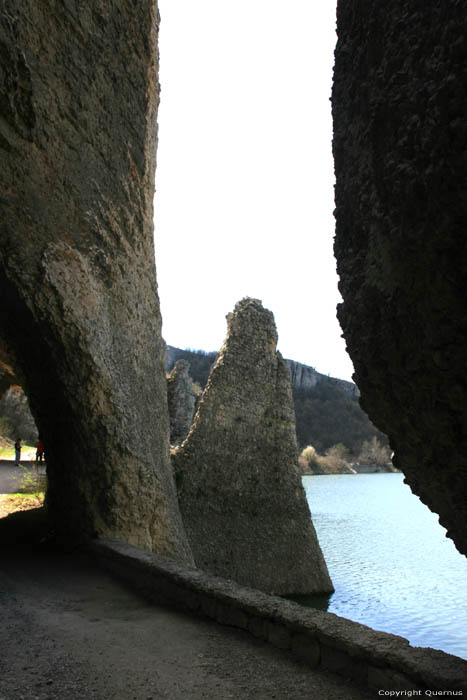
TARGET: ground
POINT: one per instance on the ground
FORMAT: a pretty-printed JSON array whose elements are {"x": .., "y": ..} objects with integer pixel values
[
  {"x": 69, "y": 631},
  {"x": 12, "y": 480}
]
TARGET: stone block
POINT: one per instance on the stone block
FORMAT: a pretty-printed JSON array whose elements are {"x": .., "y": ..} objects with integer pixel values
[
  {"x": 389, "y": 679},
  {"x": 229, "y": 615},
  {"x": 338, "y": 661},
  {"x": 307, "y": 648},
  {"x": 258, "y": 626},
  {"x": 208, "y": 606},
  {"x": 279, "y": 635}
]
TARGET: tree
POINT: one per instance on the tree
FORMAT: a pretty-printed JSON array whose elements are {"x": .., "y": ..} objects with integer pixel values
[{"x": 373, "y": 452}]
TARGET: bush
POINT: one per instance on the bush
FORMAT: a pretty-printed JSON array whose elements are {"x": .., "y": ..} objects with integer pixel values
[
  {"x": 373, "y": 452},
  {"x": 308, "y": 460}
]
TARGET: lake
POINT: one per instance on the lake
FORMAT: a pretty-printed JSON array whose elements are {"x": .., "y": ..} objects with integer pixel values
[{"x": 391, "y": 565}]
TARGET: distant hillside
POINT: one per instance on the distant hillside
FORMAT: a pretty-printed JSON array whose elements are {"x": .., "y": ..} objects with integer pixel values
[{"x": 327, "y": 409}]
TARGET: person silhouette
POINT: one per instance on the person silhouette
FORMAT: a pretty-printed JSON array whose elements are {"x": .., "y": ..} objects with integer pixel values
[
  {"x": 17, "y": 451},
  {"x": 39, "y": 451}
]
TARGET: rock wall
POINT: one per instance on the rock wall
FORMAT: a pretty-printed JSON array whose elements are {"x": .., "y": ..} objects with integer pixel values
[
  {"x": 400, "y": 150},
  {"x": 182, "y": 400},
  {"x": 80, "y": 312},
  {"x": 16, "y": 420},
  {"x": 305, "y": 377},
  {"x": 240, "y": 492}
]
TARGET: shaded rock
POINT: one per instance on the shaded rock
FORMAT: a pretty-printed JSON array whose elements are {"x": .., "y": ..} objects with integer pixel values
[
  {"x": 240, "y": 493},
  {"x": 182, "y": 401},
  {"x": 16, "y": 417},
  {"x": 400, "y": 152},
  {"x": 80, "y": 313}
]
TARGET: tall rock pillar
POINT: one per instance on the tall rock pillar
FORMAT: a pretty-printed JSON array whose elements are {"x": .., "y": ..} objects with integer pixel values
[
  {"x": 79, "y": 313},
  {"x": 240, "y": 493}
]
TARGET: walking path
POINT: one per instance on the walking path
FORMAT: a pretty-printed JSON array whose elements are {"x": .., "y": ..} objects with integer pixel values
[
  {"x": 71, "y": 632},
  {"x": 11, "y": 477}
]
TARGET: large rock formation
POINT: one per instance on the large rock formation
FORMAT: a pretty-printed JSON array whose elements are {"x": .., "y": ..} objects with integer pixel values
[
  {"x": 400, "y": 150},
  {"x": 182, "y": 401},
  {"x": 240, "y": 492},
  {"x": 80, "y": 313}
]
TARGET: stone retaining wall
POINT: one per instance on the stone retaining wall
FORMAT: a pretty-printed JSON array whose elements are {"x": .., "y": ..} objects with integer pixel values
[{"x": 373, "y": 659}]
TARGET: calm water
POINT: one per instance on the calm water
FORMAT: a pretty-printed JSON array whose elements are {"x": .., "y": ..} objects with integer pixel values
[{"x": 390, "y": 562}]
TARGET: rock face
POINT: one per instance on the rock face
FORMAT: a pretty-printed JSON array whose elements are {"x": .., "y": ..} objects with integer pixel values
[
  {"x": 80, "y": 313},
  {"x": 304, "y": 378},
  {"x": 182, "y": 400},
  {"x": 240, "y": 493},
  {"x": 400, "y": 150},
  {"x": 16, "y": 417}
]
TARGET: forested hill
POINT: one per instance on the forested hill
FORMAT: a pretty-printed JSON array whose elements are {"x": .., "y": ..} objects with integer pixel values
[{"x": 327, "y": 409}]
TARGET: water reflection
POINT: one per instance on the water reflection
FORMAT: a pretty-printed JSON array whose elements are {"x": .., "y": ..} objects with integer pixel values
[
  {"x": 389, "y": 560},
  {"x": 317, "y": 601}
]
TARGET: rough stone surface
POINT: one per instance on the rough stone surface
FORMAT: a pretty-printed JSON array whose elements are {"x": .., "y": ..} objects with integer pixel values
[
  {"x": 240, "y": 493},
  {"x": 80, "y": 313},
  {"x": 16, "y": 415},
  {"x": 182, "y": 401},
  {"x": 306, "y": 377},
  {"x": 400, "y": 150}
]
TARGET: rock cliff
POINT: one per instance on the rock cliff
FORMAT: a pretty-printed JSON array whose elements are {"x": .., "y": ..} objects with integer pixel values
[
  {"x": 182, "y": 401},
  {"x": 305, "y": 377},
  {"x": 400, "y": 151},
  {"x": 80, "y": 313},
  {"x": 240, "y": 492}
]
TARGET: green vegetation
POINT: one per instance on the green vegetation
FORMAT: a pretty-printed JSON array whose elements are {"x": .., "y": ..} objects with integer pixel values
[
  {"x": 30, "y": 494},
  {"x": 326, "y": 415},
  {"x": 7, "y": 449}
]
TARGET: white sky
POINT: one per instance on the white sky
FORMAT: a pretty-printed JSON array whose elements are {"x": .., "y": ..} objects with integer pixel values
[{"x": 244, "y": 179}]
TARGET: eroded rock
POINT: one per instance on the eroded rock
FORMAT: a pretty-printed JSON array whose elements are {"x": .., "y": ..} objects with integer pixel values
[
  {"x": 240, "y": 493},
  {"x": 80, "y": 312},
  {"x": 400, "y": 151},
  {"x": 182, "y": 401}
]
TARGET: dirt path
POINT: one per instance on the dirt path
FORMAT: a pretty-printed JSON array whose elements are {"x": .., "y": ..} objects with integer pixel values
[
  {"x": 14, "y": 479},
  {"x": 11, "y": 477},
  {"x": 70, "y": 632}
]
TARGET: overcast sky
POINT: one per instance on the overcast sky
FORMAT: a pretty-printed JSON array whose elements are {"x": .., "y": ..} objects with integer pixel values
[{"x": 244, "y": 179}]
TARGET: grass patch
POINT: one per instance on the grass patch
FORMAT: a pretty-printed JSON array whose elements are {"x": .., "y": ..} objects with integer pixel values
[
  {"x": 8, "y": 452},
  {"x": 14, "y": 502},
  {"x": 31, "y": 493}
]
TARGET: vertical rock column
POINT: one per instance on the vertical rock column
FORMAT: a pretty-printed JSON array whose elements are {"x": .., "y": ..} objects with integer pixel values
[
  {"x": 182, "y": 400},
  {"x": 400, "y": 151},
  {"x": 240, "y": 493},
  {"x": 79, "y": 311}
]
